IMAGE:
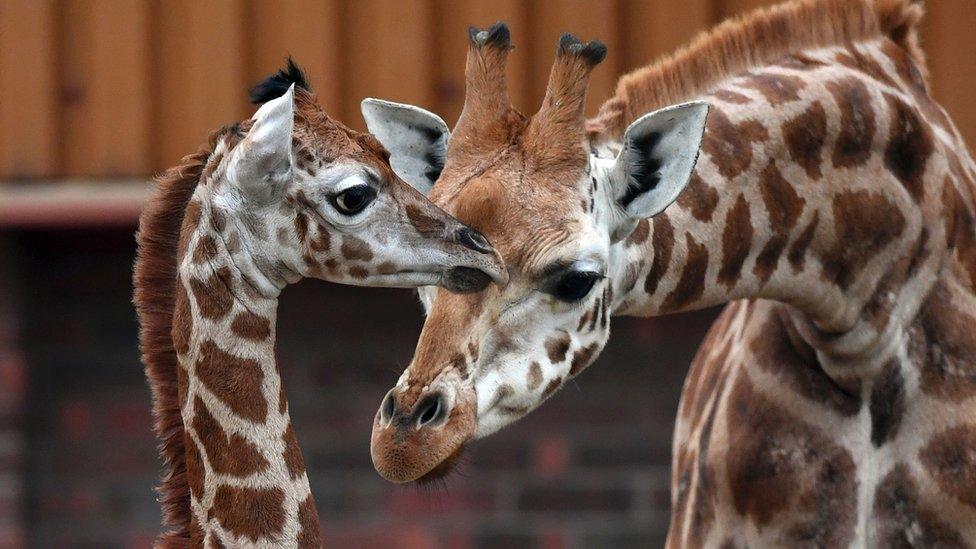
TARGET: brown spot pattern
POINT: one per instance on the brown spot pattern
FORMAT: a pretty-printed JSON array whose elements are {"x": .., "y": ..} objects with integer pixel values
[
  {"x": 736, "y": 242},
  {"x": 901, "y": 519},
  {"x": 309, "y": 535},
  {"x": 251, "y": 326},
  {"x": 195, "y": 472},
  {"x": 784, "y": 208},
  {"x": 355, "y": 249},
  {"x": 699, "y": 198},
  {"x": 797, "y": 255},
  {"x": 865, "y": 223},
  {"x": 358, "y": 272},
  {"x": 730, "y": 96},
  {"x": 557, "y": 346},
  {"x": 534, "y": 378},
  {"x": 691, "y": 285},
  {"x": 229, "y": 455},
  {"x": 292, "y": 454},
  {"x": 639, "y": 234},
  {"x": 235, "y": 381},
  {"x": 425, "y": 224},
  {"x": 551, "y": 387},
  {"x": 943, "y": 347},
  {"x": 857, "y": 122},
  {"x": 909, "y": 148},
  {"x": 662, "y": 241},
  {"x": 323, "y": 240},
  {"x": 254, "y": 513},
  {"x": 804, "y": 136},
  {"x": 217, "y": 219},
  {"x": 582, "y": 358},
  {"x": 779, "y": 465},
  {"x": 950, "y": 458},
  {"x": 206, "y": 249},
  {"x": 887, "y": 404},
  {"x": 213, "y": 296},
  {"x": 182, "y": 320},
  {"x": 301, "y": 226},
  {"x": 776, "y": 88},
  {"x": 730, "y": 145}
]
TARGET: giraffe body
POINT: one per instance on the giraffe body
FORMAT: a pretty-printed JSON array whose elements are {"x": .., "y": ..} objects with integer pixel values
[
  {"x": 833, "y": 204},
  {"x": 288, "y": 194}
]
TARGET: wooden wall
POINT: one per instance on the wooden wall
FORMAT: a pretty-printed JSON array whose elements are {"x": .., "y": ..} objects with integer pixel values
[{"x": 116, "y": 88}]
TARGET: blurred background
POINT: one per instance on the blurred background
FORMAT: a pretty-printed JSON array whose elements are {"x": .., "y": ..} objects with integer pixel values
[{"x": 97, "y": 95}]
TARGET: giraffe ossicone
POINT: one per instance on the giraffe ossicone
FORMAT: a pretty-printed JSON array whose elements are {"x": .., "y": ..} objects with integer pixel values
[
  {"x": 833, "y": 207},
  {"x": 287, "y": 194}
]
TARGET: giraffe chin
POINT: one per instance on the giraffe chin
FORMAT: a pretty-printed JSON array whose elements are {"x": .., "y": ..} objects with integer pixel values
[{"x": 444, "y": 468}]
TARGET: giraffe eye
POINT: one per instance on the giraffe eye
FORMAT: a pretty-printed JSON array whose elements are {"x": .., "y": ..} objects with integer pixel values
[
  {"x": 574, "y": 285},
  {"x": 354, "y": 199}
]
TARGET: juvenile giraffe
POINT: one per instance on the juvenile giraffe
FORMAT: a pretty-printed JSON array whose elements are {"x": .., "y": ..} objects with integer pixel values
[
  {"x": 833, "y": 403},
  {"x": 287, "y": 194}
]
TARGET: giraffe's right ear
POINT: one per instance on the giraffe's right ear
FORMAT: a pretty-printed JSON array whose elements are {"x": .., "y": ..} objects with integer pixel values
[
  {"x": 660, "y": 151},
  {"x": 264, "y": 157},
  {"x": 417, "y": 140}
]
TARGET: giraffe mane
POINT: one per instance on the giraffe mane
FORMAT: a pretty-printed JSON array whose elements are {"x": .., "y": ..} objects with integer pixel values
[
  {"x": 154, "y": 281},
  {"x": 755, "y": 39}
]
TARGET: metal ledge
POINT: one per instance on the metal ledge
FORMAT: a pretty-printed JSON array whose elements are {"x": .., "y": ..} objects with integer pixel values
[{"x": 72, "y": 203}]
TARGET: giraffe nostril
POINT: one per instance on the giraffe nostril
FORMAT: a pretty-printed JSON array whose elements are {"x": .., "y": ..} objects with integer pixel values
[
  {"x": 431, "y": 409},
  {"x": 388, "y": 407},
  {"x": 472, "y": 239}
]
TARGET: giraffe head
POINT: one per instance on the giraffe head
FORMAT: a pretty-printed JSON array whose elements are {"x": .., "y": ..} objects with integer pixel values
[
  {"x": 294, "y": 193},
  {"x": 560, "y": 215}
]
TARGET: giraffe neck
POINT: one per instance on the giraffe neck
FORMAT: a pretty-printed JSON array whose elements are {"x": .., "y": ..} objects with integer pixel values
[
  {"x": 245, "y": 470},
  {"x": 820, "y": 185}
]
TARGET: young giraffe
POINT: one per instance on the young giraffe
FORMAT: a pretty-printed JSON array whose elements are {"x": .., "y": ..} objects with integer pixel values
[
  {"x": 288, "y": 194},
  {"x": 833, "y": 402}
]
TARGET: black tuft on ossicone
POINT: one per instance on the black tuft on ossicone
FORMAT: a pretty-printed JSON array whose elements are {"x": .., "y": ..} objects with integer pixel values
[
  {"x": 496, "y": 36},
  {"x": 278, "y": 83},
  {"x": 593, "y": 52}
]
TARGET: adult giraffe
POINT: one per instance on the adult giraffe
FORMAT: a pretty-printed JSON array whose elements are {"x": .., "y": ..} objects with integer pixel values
[
  {"x": 833, "y": 403},
  {"x": 290, "y": 193}
]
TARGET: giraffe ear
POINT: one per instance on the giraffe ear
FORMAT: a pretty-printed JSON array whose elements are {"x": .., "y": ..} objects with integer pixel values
[
  {"x": 264, "y": 157},
  {"x": 417, "y": 140},
  {"x": 659, "y": 154}
]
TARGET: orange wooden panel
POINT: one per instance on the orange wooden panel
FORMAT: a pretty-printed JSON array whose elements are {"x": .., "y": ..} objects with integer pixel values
[
  {"x": 588, "y": 20},
  {"x": 453, "y": 18},
  {"x": 28, "y": 89},
  {"x": 728, "y": 8},
  {"x": 949, "y": 41},
  {"x": 388, "y": 54},
  {"x": 105, "y": 88},
  {"x": 199, "y": 80},
  {"x": 652, "y": 29},
  {"x": 310, "y": 31}
]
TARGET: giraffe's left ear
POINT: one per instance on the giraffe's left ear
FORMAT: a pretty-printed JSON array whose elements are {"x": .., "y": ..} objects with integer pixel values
[
  {"x": 263, "y": 158},
  {"x": 659, "y": 154}
]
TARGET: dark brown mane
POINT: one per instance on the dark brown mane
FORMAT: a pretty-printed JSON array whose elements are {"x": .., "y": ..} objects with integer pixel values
[
  {"x": 755, "y": 39},
  {"x": 154, "y": 280}
]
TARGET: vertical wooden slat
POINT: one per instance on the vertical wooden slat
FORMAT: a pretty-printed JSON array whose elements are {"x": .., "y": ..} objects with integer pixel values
[
  {"x": 388, "y": 54},
  {"x": 28, "y": 89},
  {"x": 105, "y": 88},
  {"x": 652, "y": 29},
  {"x": 587, "y": 19},
  {"x": 199, "y": 80},
  {"x": 453, "y": 17},
  {"x": 949, "y": 42},
  {"x": 308, "y": 30}
]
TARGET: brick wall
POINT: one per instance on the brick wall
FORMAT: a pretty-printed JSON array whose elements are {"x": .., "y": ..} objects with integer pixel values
[{"x": 590, "y": 468}]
